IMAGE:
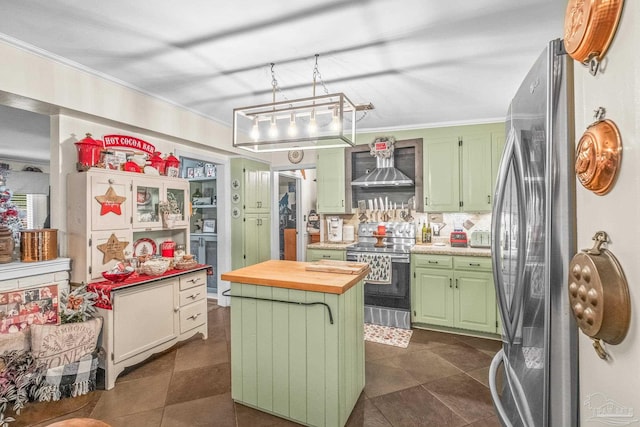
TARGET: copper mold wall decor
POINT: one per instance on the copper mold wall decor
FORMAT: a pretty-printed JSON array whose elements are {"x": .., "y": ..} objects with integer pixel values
[
  {"x": 589, "y": 27},
  {"x": 598, "y": 155},
  {"x": 599, "y": 295}
]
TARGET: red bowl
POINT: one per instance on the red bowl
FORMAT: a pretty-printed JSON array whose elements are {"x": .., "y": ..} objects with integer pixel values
[{"x": 116, "y": 277}]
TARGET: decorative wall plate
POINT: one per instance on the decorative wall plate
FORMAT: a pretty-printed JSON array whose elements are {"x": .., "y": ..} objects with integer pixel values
[
  {"x": 235, "y": 184},
  {"x": 235, "y": 198},
  {"x": 144, "y": 246},
  {"x": 295, "y": 156},
  {"x": 235, "y": 212}
]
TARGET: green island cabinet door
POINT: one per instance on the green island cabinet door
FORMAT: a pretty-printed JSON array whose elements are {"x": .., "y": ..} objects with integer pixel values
[
  {"x": 476, "y": 173},
  {"x": 330, "y": 178},
  {"x": 290, "y": 361},
  {"x": 441, "y": 174},
  {"x": 475, "y": 301},
  {"x": 256, "y": 238},
  {"x": 433, "y": 297}
]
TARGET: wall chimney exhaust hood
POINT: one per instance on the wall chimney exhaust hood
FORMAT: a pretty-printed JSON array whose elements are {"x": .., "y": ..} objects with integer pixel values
[{"x": 385, "y": 174}]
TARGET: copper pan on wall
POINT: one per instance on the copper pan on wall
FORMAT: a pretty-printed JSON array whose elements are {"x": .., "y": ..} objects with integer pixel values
[
  {"x": 598, "y": 155},
  {"x": 589, "y": 27},
  {"x": 599, "y": 295}
]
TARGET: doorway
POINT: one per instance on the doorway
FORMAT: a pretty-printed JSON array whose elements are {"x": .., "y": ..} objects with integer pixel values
[
  {"x": 288, "y": 195},
  {"x": 207, "y": 203}
]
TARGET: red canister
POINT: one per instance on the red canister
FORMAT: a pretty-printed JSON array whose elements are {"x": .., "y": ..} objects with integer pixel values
[
  {"x": 157, "y": 162},
  {"x": 382, "y": 230},
  {"x": 89, "y": 150},
  {"x": 167, "y": 248},
  {"x": 172, "y": 165}
]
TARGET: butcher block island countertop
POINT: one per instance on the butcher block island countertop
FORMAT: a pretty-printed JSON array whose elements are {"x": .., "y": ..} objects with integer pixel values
[
  {"x": 297, "y": 341},
  {"x": 294, "y": 275}
]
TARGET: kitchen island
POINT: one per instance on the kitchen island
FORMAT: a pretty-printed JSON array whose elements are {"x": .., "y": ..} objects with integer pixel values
[{"x": 297, "y": 341}]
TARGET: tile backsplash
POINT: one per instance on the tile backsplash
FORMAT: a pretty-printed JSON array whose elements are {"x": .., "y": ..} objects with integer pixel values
[{"x": 446, "y": 222}]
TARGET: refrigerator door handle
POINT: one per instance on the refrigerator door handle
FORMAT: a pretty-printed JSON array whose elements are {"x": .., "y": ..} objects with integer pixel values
[
  {"x": 493, "y": 371},
  {"x": 515, "y": 388},
  {"x": 512, "y": 157}
]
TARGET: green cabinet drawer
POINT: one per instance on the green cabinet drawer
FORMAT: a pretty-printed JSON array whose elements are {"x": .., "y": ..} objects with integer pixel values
[
  {"x": 472, "y": 263},
  {"x": 318, "y": 254},
  {"x": 432, "y": 261}
]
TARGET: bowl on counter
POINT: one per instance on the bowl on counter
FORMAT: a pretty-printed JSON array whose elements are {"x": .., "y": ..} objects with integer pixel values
[
  {"x": 154, "y": 267},
  {"x": 117, "y": 277}
]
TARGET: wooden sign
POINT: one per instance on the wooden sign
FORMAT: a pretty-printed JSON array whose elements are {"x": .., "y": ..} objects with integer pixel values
[
  {"x": 113, "y": 249},
  {"x": 130, "y": 142}
]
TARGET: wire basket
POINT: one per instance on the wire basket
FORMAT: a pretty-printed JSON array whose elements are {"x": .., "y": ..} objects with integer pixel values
[{"x": 154, "y": 267}]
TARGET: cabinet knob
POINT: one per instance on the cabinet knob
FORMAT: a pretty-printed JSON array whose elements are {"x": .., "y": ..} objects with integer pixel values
[
  {"x": 456, "y": 283},
  {"x": 194, "y": 296},
  {"x": 450, "y": 285},
  {"x": 176, "y": 309}
]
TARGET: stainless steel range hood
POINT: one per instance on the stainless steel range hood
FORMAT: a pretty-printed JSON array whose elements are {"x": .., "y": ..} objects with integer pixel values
[{"x": 384, "y": 175}]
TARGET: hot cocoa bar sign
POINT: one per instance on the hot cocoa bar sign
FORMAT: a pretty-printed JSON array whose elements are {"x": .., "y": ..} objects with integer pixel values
[{"x": 130, "y": 142}]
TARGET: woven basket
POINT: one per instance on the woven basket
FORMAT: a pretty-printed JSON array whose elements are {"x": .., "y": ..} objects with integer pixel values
[
  {"x": 185, "y": 265},
  {"x": 154, "y": 267}
]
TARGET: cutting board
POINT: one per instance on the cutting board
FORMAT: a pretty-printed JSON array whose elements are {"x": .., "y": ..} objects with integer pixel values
[{"x": 334, "y": 266}]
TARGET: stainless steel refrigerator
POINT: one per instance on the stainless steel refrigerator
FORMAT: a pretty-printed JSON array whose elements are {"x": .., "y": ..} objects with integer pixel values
[{"x": 533, "y": 378}]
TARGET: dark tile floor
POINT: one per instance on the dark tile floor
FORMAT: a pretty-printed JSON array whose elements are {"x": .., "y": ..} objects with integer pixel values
[{"x": 439, "y": 380}]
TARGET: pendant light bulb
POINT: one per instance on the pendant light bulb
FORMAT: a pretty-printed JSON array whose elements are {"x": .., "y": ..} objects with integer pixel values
[
  {"x": 255, "y": 131},
  {"x": 335, "y": 120},
  {"x": 313, "y": 126},
  {"x": 293, "y": 129},
  {"x": 273, "y": 129}
]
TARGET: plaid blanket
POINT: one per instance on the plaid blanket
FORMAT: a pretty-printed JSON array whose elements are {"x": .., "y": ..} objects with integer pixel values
[{"x": 74, "y": 379}]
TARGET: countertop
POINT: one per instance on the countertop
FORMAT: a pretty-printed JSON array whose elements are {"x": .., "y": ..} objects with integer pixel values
[
  {"x": 330, "y": 245},
  {"x": 292, "y": 275},
  {"x": 416, "y": 249},
  {"x": 447, "y": 249}
]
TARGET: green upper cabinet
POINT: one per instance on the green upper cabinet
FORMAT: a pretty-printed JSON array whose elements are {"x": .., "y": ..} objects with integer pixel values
[
  {"x": 330, "y": 178},
  {"x": 476, "y": 176},
  {"x": 497, "y": 145},
  {"x": 250, "y": 212},
  {"x": 257, "y": 189},
  {"x": 441, "y": 174},
  {"x": 460, "y": 167}
]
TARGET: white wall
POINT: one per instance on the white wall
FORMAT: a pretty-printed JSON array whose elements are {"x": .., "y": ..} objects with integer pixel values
[{"x": 617, "y": 88}]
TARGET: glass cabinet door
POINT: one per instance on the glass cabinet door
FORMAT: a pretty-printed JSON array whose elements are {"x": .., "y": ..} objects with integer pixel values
[
  {"x": 176, "y": 194},
  {"x": 146, "y": 205}
]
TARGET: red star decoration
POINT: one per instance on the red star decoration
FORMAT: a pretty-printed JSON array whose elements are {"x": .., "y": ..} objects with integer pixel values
[{"x": 110, "y": 202}]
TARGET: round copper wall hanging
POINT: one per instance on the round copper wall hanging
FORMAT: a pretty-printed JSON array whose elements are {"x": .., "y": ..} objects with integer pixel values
[
  {"x": 589, "y": 27},
  {"x": 598, "y": 155},
  {"x": 599, "y": 295}
]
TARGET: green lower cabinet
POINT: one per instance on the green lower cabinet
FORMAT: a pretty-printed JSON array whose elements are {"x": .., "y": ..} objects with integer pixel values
[
  {"x": 289, "y": 360},
  {"x": 433, "y": 297},
  {"x": 257, "y": 238},
  {"x": 462, "y": 296},
  {"x": 474, "y": 301},
  {"x": 320, "y": 254}
]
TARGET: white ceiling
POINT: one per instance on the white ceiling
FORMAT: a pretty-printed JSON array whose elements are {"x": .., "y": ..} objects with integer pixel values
[{"x": 419, "y": 62}]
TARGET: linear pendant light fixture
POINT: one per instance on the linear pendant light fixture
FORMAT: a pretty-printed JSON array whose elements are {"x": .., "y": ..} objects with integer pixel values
[{"x": 323, "y": 121}]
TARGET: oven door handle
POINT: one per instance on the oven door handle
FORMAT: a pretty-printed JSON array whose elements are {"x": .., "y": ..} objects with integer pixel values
[{"x": 403, "y": 259}]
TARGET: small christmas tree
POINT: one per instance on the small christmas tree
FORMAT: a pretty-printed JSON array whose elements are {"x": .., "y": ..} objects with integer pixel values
[{"x": 9, "y": 212}]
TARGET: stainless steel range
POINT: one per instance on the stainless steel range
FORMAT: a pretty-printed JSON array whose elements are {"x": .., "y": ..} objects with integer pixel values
[{"x": 387, "y": 295}]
